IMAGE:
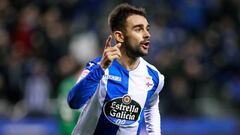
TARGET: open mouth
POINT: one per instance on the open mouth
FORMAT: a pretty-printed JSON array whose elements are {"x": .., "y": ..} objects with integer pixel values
[{"x": 146, "y": 44}]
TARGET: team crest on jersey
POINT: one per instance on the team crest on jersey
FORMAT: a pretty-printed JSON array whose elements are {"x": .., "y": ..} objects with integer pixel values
[
  {"x": 122, "y": 111},
  {"x": 149, "y": 82}
]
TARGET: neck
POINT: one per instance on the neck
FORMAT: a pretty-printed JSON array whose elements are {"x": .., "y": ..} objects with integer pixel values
[{"x": 128, "y": 62}]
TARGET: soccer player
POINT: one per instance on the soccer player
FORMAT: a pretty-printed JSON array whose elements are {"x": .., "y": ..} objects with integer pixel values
[{"x": 119, "y": 89}]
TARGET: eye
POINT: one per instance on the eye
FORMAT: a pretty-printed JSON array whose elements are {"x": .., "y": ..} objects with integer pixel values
[
  {"x": 138, "y": 29},
  {"x": 148, "y": 28}
]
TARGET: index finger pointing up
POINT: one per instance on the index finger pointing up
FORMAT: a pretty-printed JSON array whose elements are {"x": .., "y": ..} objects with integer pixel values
[{"x": 108, "y": 42}]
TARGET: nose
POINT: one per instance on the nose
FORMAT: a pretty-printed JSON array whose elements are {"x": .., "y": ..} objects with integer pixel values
[{"x": 146, "y": 34}]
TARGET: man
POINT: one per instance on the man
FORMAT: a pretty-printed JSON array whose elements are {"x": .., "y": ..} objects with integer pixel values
[{"x": 120, "y": 89}]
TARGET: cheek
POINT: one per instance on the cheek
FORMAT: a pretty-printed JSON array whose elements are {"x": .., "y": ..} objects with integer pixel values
[{"x": 135, "y": 38}]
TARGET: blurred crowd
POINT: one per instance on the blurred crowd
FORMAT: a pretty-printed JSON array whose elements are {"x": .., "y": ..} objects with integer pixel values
[{"x": 44, "y": 44}]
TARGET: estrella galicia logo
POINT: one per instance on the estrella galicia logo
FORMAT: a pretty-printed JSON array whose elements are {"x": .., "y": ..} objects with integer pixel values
[{"x": 122, "y": 111}]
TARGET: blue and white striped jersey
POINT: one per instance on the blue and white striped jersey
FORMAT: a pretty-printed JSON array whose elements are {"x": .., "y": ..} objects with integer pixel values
[{"x": 115, "y": 101}]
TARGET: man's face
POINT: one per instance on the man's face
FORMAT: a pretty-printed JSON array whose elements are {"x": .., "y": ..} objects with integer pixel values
[{"x": 137, "y": 36}]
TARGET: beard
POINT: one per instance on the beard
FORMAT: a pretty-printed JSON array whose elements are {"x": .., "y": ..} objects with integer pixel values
[{"x": 135, "y": 50}]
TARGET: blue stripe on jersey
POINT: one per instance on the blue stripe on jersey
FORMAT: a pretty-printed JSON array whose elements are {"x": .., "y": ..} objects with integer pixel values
[
  {"x": 105, "y": 127},
  {"x": 140, "y": 122},
  {"x": 114, "y": 89},
  {"x": 117, "y": 88},
  {"x": 155, "y": 77}
]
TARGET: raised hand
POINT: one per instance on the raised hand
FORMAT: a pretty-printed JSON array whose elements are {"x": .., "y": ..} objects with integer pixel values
[{"x": 110, "y": 53}]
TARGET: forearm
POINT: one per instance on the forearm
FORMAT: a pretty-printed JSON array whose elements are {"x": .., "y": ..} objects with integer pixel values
[{"x": 85, "y": 88}]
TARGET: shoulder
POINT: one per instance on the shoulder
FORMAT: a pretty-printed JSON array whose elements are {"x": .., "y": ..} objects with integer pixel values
[
  {"x": 96, "y": 60},
  {"x": 151, "y": 68},
  {"x": 93, "y": 62}
]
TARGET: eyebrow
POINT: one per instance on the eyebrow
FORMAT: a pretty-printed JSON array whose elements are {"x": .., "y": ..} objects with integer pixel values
[{"x": 140, "y": 25}]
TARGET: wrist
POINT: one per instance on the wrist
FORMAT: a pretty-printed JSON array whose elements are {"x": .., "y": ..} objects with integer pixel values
[{"x": 103, "y": 66}]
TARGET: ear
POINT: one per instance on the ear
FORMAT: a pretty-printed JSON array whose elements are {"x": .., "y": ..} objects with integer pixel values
[{"x": 118, "y": 35}]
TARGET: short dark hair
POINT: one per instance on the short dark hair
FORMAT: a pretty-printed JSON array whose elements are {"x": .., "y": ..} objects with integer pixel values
[{"x": 117, "y": 18}]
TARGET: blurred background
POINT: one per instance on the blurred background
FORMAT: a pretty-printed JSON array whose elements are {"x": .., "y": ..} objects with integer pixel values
[{"x": 44, "y": 44}]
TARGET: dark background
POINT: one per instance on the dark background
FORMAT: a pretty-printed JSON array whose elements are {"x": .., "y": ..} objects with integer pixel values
[{"x": 45, "y": 43}]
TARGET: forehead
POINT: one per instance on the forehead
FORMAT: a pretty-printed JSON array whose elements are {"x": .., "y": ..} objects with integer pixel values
[{"x": 134, "y": 20}]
